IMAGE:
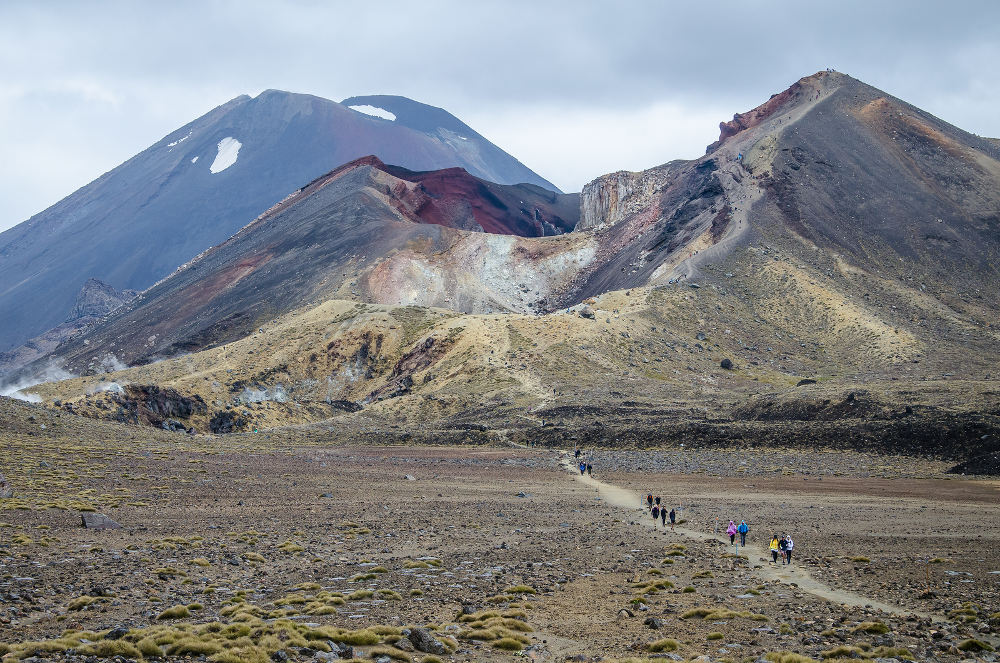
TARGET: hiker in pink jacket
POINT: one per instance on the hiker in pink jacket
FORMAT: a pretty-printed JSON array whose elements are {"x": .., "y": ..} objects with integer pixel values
[{"x": 731, "y": 531}]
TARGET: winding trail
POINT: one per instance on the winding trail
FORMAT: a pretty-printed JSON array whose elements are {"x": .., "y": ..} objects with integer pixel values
[{"x": 794, "y": 575}]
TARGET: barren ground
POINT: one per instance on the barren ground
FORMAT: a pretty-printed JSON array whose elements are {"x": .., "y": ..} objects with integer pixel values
[{"x": 265, "y": 541}]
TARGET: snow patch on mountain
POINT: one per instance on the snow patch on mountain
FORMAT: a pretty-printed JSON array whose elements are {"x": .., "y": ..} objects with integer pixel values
[
  {"x": 194, "y": 160},
  {"x": 374, "y": 111},
  {"x": 229, "y": 149},
  {"x": 178, "y": 142}
]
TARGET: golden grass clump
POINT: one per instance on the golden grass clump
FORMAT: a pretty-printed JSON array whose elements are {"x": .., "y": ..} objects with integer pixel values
[
  {"x": 663, "y": 645},
  {"x": 716, "y": 614},
  {"x": 111, "y": 648},
  {"x": 877, "y": 628},
  {"x": 508, "y": 644},
  {"x": 176, "y": 612},
  {"x": 714, "y": 635},
  {"x": 82, "y": 602},
  {"x": 788, "y": 657},
  {"x": 520, "y": 589}
]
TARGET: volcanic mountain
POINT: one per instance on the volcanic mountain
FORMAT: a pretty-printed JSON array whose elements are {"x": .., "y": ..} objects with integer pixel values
[
  {"x": 353, "y": 233},
  {"x": 203, "y": 182},
  {"x": 828, "y": 269}
]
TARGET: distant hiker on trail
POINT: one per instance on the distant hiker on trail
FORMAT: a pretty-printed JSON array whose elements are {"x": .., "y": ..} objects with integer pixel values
[
  {"x": 583, "y": 468},
  {"x": 783, "y": 548},
  {"x": 649, "y": 501},
  {"x": 656, "y": 513},
  {"x": 673, "y": 518},
  {"x": 775, "y": 549},
  {"x": 789, "y": 544},
  {"x": 731, "y": 531},
  {"x": 590, "y": 469},
  {"x": 663, "y": 515},
  {"x": 576, "y": 454},
  {"x": 743, "y": 529},
  {"x": 657, "y": 500}
]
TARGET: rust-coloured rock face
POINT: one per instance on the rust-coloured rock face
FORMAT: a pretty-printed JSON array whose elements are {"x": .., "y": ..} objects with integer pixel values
[{"x": 455, "y": 199}]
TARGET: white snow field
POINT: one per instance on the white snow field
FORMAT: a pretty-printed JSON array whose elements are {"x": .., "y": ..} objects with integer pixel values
[
  {"x": 374, "y": 111},
  {"x": 229, "y": 149}
]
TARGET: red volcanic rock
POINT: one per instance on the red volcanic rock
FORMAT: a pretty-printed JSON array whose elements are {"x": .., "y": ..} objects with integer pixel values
[{"x": 752, "y": 118}]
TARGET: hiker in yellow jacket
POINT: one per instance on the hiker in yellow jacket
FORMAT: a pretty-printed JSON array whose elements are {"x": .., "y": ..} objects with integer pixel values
[{"x": 774, "y": 549}]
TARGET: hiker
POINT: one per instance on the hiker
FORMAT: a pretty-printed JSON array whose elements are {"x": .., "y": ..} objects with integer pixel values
[
  {"x": 649, "y": 501},
  {"x": 657, "y": 500},
  {"x": 783, "y": 548},
  {"x": 577, "y": 454},
  {"x": 731, "y": 531},
  {"x": 774, "y": 549},
  {"x": 656, "y": 513},
  {"x": 789, "y": 544},
  {"x": 743, "y": 529},
  {"x": 583, "y": 468},
  {"x": 663, "y": 515},
  {"x": 590, "y": 470},
  {"x": 673, "y": 518}
]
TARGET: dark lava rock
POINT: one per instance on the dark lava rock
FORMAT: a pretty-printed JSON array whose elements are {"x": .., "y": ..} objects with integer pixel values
[
  {"x": 117, "y": 633},
  {"x": 98, "y": 521},
  {"x": 226, "y": 421},
  {"x": 425, "y": 642},
  {"x": 726, "y": 364},
  {"x": 805, "y": 381},
  {"x": 654, "y": 622},
  {"x": 986, "y": 464}
]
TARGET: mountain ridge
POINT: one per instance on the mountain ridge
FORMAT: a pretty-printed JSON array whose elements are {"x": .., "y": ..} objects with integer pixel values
[{"x": 182, "y": 195}]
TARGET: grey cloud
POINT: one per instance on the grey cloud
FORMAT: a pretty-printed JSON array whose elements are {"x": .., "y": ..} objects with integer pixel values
[{"x": 100, "y": 81}]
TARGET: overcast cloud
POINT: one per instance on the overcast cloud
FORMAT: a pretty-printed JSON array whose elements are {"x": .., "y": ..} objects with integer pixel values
[{"x": 573, "y": 89}]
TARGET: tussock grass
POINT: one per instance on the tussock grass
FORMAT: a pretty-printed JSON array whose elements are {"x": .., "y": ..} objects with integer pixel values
[
  {"x": 788, "y": 657},
  {"x": 716, "y": 614},
  {"x": 974, "y": 645},
  {"x": 714, "y": 635},
  {"x": 176, "y": 612},
  {"x": 664, "y": 645},
  {"x": 360, "y": 595},
  {"x": 391, "y": 652},
  {"x": 508, "y": 644},
  {"x": 704, "y": 574},
  {"x": 861, "y": 560},
  {"x": 200, "y": 561},
  {"x": 877, "y": 628},
  {"x": 82, "y": 602},
  {"x": 520, "y": 589}
]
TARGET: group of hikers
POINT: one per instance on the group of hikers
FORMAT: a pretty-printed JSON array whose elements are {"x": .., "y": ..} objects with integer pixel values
[
  {"x": 659, "y": 511},
  {"x": 782, "y": 546}
]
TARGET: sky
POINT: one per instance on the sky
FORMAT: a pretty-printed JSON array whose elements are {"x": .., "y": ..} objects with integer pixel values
[{"x": 573, "y": 89}]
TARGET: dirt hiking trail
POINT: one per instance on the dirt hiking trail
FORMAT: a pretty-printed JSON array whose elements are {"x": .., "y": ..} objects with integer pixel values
[{"x": 794, "y": 575}]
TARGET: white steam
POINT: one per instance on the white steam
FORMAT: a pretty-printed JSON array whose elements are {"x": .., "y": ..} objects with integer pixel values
[{"x": 50, "y": 373}]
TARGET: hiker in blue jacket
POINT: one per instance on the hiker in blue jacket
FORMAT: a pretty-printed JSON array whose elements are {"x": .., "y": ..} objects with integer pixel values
[{"x": 743, "y": 529}]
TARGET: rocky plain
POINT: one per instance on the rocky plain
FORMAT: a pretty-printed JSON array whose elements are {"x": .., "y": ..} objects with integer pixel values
[{"x": 291, "y": 545}]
